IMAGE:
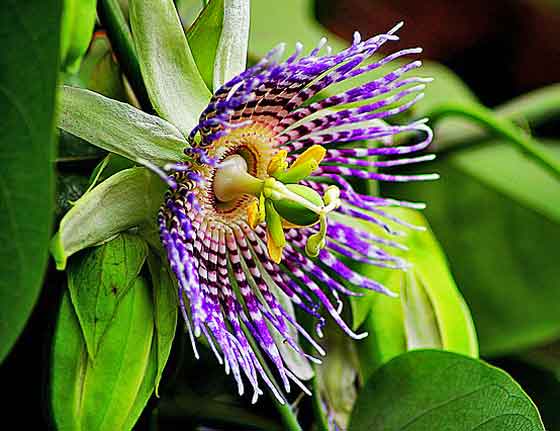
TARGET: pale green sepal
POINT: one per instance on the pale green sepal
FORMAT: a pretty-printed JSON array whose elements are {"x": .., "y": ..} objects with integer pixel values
[
  {"x": 231, "y": 54},
  {"x": 128, "y": 199},
  {"x": 176, "y": 89},
  {"x": 119, "y": 127},
  {"x": 453, "y": 317}
]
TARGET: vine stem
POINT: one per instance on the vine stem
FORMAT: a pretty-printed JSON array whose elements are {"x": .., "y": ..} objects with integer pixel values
[
  {"x": 322, "y": 421},
  {"x": 288, "y": 417},
  {"x": 112, "y": 17},
  {"x": 503, "y": 128}
]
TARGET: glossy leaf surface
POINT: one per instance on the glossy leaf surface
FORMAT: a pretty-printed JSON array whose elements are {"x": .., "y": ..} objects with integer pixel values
[
  {"x": 432, "y": 390},
  {"x": 27, "y": 98}
]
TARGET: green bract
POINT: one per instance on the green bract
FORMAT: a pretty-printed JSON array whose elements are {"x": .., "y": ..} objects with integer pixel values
[
  {"x": 101, "y": 394},
  {"x": 430, "y": 314}
]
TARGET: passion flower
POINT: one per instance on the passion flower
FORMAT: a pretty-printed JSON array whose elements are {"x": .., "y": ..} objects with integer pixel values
[{"x": 264, "y": 203}]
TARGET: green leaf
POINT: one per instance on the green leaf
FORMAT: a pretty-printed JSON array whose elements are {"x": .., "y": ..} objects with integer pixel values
[
  {"x": 119, "y": 127},
  {"x": 175, "y": 87},
  {"x": 435, "y": 390},
  {"x": 101, "y": 395},
  {"x": 128, "y": 199},
  {"x": 165, "y": 311},
  {"x": 231, "y": 54},
  {"x": 483, "y": 230},
  {"x": 98, "y": 278},
  {"x": 203, "y": 37},
  {"x": 27, "y": 97}
]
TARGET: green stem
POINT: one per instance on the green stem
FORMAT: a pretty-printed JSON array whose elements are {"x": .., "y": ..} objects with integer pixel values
[
  {"x": 536, "y": 107},
  {"x": 317, "y": 407},
  {"x": 502, "y": 128},
  {"x": 112, "y": 17},
  {"x": 288, "y": 417}
]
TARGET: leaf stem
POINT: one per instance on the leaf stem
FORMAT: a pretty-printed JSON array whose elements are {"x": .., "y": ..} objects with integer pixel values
[
  {"x": 503, "y": 128},
  {"x": 112, "y": 17}
]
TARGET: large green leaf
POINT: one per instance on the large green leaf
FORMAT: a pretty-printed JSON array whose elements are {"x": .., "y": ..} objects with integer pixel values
[
  {"x": 27, "y": 96},
  {"x": 502, "y": 249},
  {"x": 98, "y": 278},
  {"x": 119, "y": 127},
  {"x": 130, "y": 198},
  {"x": 435, "y": 390},
  {"x": 172, "y": 79},
  {"x": 102, "y": 394}
]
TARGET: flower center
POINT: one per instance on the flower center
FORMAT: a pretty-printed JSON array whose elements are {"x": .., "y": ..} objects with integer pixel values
[{"x": 280, "y": 201}]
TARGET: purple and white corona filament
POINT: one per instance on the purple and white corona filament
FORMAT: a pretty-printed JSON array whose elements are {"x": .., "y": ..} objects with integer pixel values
[{"x": 263, "y": 206}]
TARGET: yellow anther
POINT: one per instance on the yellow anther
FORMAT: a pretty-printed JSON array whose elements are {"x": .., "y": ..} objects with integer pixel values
[
  {"x": 315, "y": 152},
  {"x": 253, "y": 214},
  {"x": 274, "y": 251},
  {"x": 278, "y": 162},
  {"x": 256, "y": 212}
]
